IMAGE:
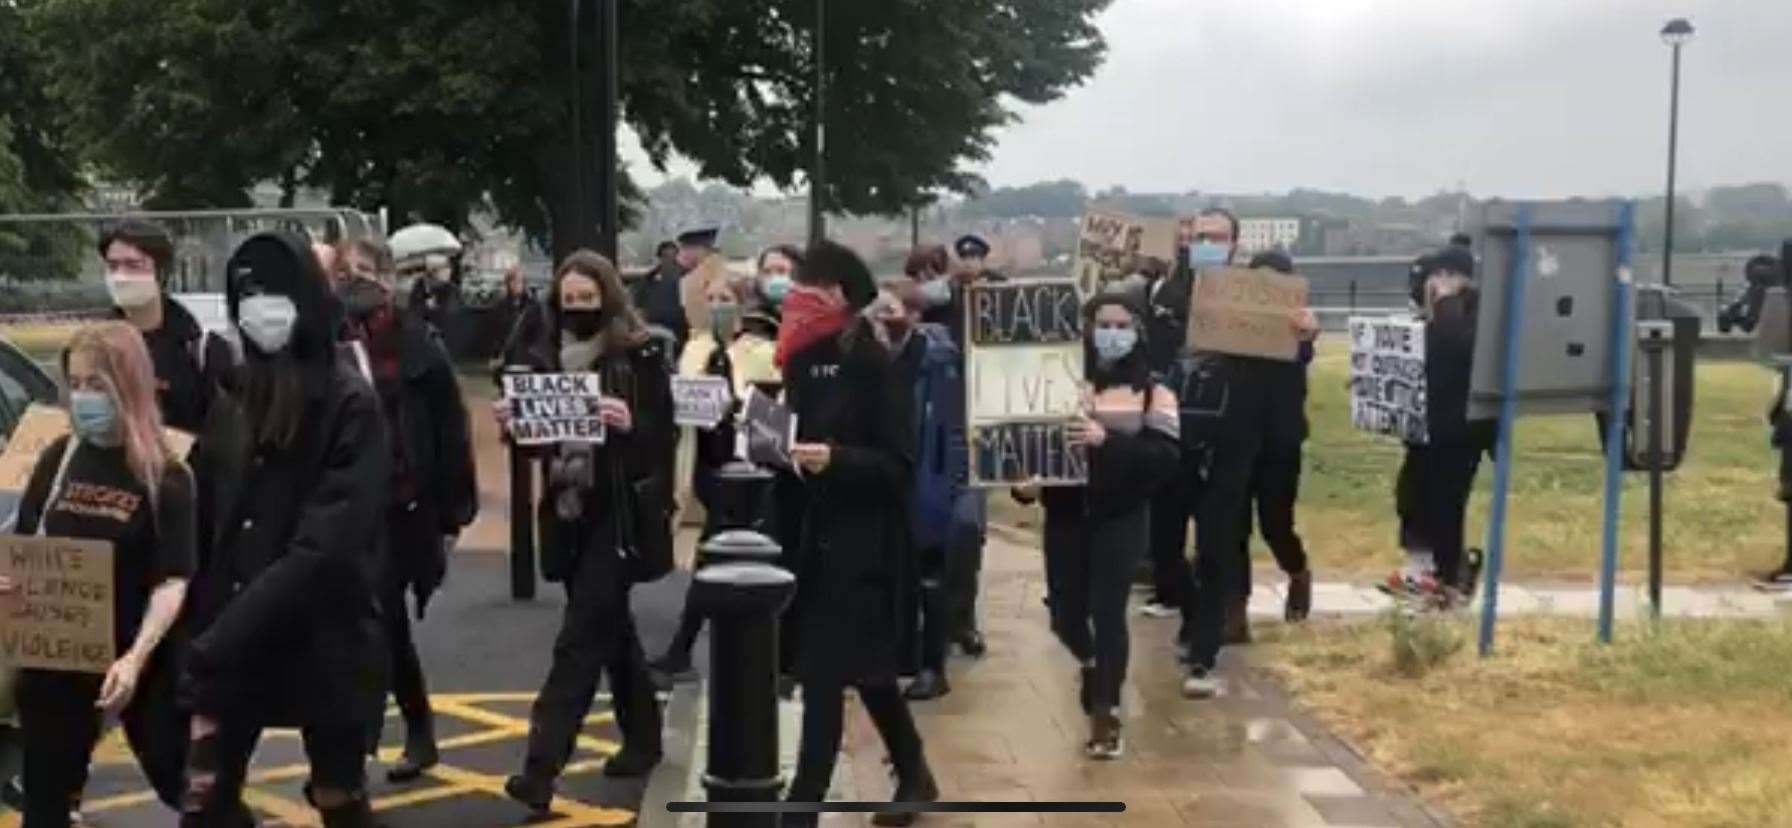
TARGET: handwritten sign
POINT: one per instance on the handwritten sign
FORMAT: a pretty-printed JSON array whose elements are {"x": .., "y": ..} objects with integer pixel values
[
  {"x": 61, "y": 616},
  {"x": 1024, "y": 382},
  {"x": 42, "y": 425},
  {"x": 700, "y": 401},
  {"x": 1246, "y": 312},
  {"x": 1387, "y": 377},
  {"x": 769, "y": 428},
  {"x": 554, "y": 408},
  {"x": 1113, "y": 245}
]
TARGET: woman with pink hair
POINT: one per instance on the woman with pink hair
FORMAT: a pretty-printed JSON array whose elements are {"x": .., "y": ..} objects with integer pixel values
[{"x": 114, "y": 479}]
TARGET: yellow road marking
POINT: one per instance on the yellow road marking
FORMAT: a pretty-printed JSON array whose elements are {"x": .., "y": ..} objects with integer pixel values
[
  {"x": 294, "y": 814},
  {"x": 575, "y": 814}
]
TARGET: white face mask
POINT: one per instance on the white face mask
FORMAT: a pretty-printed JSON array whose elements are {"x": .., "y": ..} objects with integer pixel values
[
  {"x": 267, "y": 321},
  {"x": 132, "y": 291}
]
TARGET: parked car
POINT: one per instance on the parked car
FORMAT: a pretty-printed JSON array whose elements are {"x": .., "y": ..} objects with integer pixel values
[{"x": 22, "y": 382}]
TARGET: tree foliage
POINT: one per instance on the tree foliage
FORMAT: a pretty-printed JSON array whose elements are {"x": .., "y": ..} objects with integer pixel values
[
  {"x": 431, "y": 107},
  {"x": 38, "y": 171}
]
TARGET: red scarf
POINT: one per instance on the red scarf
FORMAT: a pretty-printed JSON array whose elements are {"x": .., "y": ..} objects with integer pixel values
[{"x": 809, "y": 317}]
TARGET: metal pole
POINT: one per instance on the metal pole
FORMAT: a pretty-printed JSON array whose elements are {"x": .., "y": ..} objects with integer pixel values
[
  {"x": 1614, "y": 452},
  {"x": 818, "y": 175},
  {"x": 581, "y": 216},
  {"x": 1656, "y": 460},
  {"x": 522, "y": 516},
  {"x": 1667, "y": 246},
  {"x": 743, "y": 601},
  {"x": 1502, "y": 467},
  {"x": 607, "y": 68}
]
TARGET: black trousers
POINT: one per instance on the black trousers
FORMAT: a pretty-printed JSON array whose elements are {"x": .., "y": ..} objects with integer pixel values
[
  {"x": 824, "y": 707},
  {"x": 218, "y": 765},
  {"x": 935, "y": 616},
  {"x": 597, "y": 636},
  {"x": 1170, "y": 512},
  {"x": 405, "y": 532},
  {"x": 1431, "y": 496},
  {"x": 1088, "y": 576},
  {"x": 60, "y": 727},
  {"x": 1275, "y": 486},
  {"x": 963, "y": 565},
  {"x": 1223, "y": 494}
]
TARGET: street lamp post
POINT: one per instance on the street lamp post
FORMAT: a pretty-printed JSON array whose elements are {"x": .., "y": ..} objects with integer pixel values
[
  {"x": 1675, "y": 34},
  {"x": 818, "y": 176}
]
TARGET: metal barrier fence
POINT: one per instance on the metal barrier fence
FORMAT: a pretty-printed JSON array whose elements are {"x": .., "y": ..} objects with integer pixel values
[{"x": 1335, "y": 304}]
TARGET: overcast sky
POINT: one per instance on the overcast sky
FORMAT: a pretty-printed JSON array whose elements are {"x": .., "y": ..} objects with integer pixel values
[
  {"x": 1514, "y": 98},
  {"x": 1383, "y": 97}
]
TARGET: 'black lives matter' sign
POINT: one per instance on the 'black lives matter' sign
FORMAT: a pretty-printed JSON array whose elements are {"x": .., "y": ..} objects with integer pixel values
[
  {"x": 554, "y": 408},
  {"x": 1387, "y": 377},
  {"x": 1024, "y": 382}
]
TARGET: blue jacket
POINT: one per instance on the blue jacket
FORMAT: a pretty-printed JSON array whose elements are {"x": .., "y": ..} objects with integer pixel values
[{"x": 932, "y": 364}]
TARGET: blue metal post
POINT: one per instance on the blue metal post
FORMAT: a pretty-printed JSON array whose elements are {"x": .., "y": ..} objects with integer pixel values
[
  {"x": 1502, "y": 467},
  {"x": 1614, "y": 422}
]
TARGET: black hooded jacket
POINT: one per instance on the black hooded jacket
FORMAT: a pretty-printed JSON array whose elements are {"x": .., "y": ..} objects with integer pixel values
[
  {"x": 282, "y": 613},
  {"x": 191, "y": 366}
]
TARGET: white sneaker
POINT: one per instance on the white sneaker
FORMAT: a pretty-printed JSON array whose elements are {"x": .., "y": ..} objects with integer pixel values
[
  {"x": 1200, "y": 684},
  {"x": 1153, "y": 609}
]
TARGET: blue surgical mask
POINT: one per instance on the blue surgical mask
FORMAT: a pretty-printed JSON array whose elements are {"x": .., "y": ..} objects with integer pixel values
[
  {"x": 1208, "y": 254},
  {"x": 1113, "y": 344},
  {"x": 775, "y": 288},
  {"x": 93, "y": 418},
  {"x": 936, "y": 292}
]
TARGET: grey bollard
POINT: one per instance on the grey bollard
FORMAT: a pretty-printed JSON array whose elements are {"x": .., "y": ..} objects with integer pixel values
[{"x": 742, "y": 602}]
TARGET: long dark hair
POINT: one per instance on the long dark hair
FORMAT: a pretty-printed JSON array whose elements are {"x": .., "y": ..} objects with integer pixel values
[
  {"x": 1134, "y": 369},
  {"x": 622, "y": 327}
]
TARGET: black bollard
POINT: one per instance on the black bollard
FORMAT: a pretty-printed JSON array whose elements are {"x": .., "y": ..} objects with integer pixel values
[
  {"x": 743, "y": 602},
  {"x": 522, "y": 515},
  {"x": 741, "y": 490}
]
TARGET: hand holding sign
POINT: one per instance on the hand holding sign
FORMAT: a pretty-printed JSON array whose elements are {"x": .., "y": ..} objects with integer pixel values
[
  {"x": 813, "y": 458},
  {"x": 616, "y": 414},
  {"x": 560, "y": 408}
]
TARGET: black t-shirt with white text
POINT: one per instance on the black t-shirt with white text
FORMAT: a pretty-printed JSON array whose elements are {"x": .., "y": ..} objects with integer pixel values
[{"x": 101, "y": 499}]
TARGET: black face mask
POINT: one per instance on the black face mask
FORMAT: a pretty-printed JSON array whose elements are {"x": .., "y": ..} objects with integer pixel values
[
  {"x": 583, "y": 324},
  {"x": 361, "y": 297}
]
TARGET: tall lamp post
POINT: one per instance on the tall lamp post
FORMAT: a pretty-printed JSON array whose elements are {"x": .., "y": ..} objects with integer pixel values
[
  {"x": 818, "y": 175},
  {"x": 1675, "y": 34}
]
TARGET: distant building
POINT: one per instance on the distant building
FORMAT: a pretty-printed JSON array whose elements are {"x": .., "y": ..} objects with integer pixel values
[{"x": 1256, "y": 235}]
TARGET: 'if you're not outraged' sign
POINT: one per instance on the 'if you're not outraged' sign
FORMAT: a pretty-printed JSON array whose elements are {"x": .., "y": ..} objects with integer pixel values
[
  {"x": 1387, "y": 377},
  {"x": 554, "y": 408},
  {"x": 1024, "y": 382}
]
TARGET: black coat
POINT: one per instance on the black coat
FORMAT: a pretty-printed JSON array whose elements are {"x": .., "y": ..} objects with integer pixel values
[
  {"x": 856, "y": 554},
  {"x": 642, "y": 458},
  {"x": 283, "y": 614},
  {"x": 191, "y": 366}
]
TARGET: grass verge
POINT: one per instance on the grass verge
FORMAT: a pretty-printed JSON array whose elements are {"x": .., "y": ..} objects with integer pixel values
[{"x": 1685, "y": 725}]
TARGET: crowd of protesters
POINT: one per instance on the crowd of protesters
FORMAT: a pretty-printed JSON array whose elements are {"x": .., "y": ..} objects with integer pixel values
[{"x": 270, "y": 575}]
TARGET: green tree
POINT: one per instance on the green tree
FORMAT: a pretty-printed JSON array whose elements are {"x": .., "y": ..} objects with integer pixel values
[
  {"x": 433, "y": 107},
  {"x": 38, "y": 169}
]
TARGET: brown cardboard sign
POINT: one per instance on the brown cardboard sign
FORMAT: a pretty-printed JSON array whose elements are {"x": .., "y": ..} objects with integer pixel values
[
  {"x": 1113, "y": 245},
  {"x": 60, "y": 616},
  {"x": 1246, "y": 312},
  {"x": 42, "y": 425}
]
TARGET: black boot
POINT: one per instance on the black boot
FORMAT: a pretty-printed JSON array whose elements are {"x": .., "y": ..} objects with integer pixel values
[
  {"x": 356, "y": 814},
  {"x": 971, "y": 642},
  {"x": 1238, "y": 621},
  {"x": 630, "y": 762},
  {"x": 918, "y": 788},
  {"x": 420, "y": 754},
  {"x": 1085, "y": 689},
  {"x": 927, "y": 686},
  {"x": 535, "y": 794},
  {"x": 1300, "y": 597}
]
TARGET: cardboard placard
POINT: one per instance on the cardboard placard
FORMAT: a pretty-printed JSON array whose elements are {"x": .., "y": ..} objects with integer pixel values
[
  {"x": 554, "y": 408},
  {"x": 1113, "y": 245},
  {"x": 42, "y": 425},
  {"x": 1024, "y": 383},
  {"x": 701, "y": 402},
  {"x": 1387, "y": 377},
  {"x": 769, "y": 429},
  {"x": 1246, "y": 312},
  {"x": 60, "y": 618}
]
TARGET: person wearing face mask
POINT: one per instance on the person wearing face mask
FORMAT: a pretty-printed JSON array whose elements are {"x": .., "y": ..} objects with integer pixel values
[
  {"x": 1432, "y": 489},
  {"x": 433, "y": 493},
  {"x": 284, "y": 615},
  {"x": 427, "y": 258},
  {"x": 1096, "y": 533},
  {"x": 191, "y": 365},
  {"x": 605, "y": 518},
  {"x": 1228, "y": 405},
  {"x": 113, "y": 479},
  {"x": 856, "y": 457},
  {"x": 932, "y": 367},
  {"x": 744, "y": 358},
  {"x": 776, "y": 273}
]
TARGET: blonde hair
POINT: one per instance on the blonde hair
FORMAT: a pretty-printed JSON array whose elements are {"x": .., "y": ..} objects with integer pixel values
[{"x": 122, "y": 362}]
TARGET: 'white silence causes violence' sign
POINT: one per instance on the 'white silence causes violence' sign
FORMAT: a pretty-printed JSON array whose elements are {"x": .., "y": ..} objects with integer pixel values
[
  {"x": 1387, "y": 377},
  {"x": 554, "y": 408},
  {"x": 1024, "y": 381},
  {"x": 60, "y": 618}
]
